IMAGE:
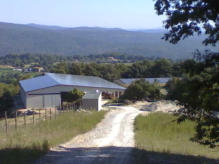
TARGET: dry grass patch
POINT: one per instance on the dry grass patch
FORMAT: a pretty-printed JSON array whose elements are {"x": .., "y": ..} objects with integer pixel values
[
  {"x": 27, "y": 144},
  {"x": 159, "y": 134}
]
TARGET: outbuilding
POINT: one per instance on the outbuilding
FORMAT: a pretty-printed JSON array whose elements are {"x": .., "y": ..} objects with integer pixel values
[{"x": 45, "y": 91}]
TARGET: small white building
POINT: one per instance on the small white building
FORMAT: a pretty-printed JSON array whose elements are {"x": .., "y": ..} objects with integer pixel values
[{"x": 45, "y": 91}]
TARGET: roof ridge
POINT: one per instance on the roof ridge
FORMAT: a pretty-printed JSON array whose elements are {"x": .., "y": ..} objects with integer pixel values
[
  {"x": 51, "y": 77},
  {"x": 47, "y": 73}
]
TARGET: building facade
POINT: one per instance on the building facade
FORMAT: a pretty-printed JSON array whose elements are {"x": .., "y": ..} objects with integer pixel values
[{"x": 45, "y": 91}]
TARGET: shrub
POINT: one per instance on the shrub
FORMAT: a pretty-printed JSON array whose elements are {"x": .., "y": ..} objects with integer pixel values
[
  {"x": 199, "y": 94},
  {"x": 141, "y": 90},
  {"x": 72, "y": 96}
]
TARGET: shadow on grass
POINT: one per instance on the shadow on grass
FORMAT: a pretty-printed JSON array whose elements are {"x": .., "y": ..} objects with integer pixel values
[
  {"x": 19, "y": 155},
  {"x": 103, "y": 155},
  {"x": 114, "y": 155}
]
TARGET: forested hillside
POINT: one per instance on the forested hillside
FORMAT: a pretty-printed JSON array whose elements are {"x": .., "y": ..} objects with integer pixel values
[{"x": 31, "y": 38}]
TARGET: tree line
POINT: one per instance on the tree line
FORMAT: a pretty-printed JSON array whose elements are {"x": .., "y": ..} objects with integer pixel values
[
  {"x": 46, "y": 60},
  {"x": 9, "y": 79},
  {"x": 140, "y": 69}
]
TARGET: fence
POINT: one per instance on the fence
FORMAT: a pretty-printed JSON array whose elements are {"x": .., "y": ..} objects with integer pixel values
[{"x": 31, "y": 117}]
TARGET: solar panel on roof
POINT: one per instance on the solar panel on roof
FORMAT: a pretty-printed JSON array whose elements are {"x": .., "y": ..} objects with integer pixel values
[
  {"x": 37, "y": 83},
  {"x": 52, "y": 79},
  {"x": 150, "y": 80}
]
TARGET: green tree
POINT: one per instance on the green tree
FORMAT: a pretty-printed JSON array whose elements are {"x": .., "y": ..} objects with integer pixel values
[
  {"x": 6, "y": 97},
  {"x": 76, "y": 69},
  {"x": 141, "y": 90},
  {"x": 72, "y": 96},
  {"x": 186, "y": 17},
  {"x": 161, "y": 68},
  {"x": 199, "y": 94},
  {"x": 60, "y": 68}
]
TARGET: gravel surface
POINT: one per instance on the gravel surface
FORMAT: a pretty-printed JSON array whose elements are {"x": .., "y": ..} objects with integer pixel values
[{"x": 110, "y": 142}]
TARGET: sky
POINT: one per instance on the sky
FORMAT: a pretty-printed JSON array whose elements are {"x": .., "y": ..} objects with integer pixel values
[{"x": 128, "y": 14}]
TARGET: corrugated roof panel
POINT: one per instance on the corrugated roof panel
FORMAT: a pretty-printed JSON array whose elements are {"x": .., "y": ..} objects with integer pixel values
[
  {"x": 150, "y": 80},
  {"x": 85, "y": 81},
  {"x": 37, "y": 83},
  {"x": 52, "y": 79}
]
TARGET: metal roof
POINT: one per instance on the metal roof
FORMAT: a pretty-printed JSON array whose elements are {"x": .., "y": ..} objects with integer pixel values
[
  {"x": 53, "y": 79},
  {"x": 150, "y": 80}
]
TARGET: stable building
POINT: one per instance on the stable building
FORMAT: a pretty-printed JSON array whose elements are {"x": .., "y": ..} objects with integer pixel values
[{"x": 45, "y": 91}]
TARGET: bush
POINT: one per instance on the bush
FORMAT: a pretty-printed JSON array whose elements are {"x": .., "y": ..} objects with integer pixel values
[
  {"x": 141, "y": 90},
  {"x": 199, "y": 94},
  {"x": 7, "y": 92},
  {"x": 72, "y": 96}
]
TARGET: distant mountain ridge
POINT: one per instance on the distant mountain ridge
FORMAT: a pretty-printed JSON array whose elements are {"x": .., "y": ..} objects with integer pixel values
[{"x": 34, "y": 38}]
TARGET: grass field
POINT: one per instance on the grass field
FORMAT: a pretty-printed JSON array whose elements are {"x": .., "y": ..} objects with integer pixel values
[
  {"x": 159, "y": 138},
  {"x": 28, "y": 144}
]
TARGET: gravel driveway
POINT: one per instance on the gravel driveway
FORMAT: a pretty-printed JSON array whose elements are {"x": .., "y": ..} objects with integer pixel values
[{"x": 110, "y": 142}]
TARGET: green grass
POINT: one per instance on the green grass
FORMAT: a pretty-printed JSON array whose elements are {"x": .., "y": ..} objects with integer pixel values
[
  {"x": 28, "y": 144},
  {"x": 159, "y": 135}
]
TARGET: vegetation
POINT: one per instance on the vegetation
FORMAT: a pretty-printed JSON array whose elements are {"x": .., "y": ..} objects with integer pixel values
[
  {"x": 9, "y": 87},
  {"x": 140, "y": 69},
  {"x": 19, "y": 39},
  {"x": 198, "y": 92},
  {"x": 141, "y": 90},
  {"x": 72, "y": 96},
  {"x": 7, "y": 92},
  {"x": 28, "y": 144},
  {"x": 161, "y": 139},
  {"x": 46, "y": 60},
  {"x": 186, "y": 17},
  {"x": 8, "y": 76}
]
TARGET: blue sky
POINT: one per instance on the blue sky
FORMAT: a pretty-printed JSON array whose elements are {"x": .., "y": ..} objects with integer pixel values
[{"x": 129, "y": 14}]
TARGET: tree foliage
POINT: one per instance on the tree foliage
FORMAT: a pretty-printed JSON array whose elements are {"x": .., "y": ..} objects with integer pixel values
[
  {"x": 141, "y": 69},
  {"x": 186, "y": 17},
  {"x": 82, "y": 42},
  {"x": 6, "y": 97},
  {"x": 142, "y": 90},
  {"x": 72, "y": 96},
  {"x": 198, "y": 92}
]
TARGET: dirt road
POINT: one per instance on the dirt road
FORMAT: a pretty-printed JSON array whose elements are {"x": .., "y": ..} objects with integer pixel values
[{"x": 110, "y": 142}]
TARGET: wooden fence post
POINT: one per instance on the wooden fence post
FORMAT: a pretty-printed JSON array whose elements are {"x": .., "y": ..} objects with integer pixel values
[
  {"x": 39, "y": 115},
  {"x": 55, "y": 113},
  {"x": 15, "y": 120},
  {"x": 33, "y": 118},
  {"x": 50, "y": 114},
  {"x": 6, "y": 123},
  {"x": 24, "y": 119},
  {"x": 45, "y": 114}
]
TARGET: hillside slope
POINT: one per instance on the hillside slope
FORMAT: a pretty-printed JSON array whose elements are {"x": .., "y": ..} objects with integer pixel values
[{"x": 32, "y": 38}]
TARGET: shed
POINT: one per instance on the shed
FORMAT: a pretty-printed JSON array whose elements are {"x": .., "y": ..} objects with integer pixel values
[{"x": 45, "y": 91}]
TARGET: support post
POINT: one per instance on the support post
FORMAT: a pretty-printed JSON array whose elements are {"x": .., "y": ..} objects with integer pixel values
[
  {"x": 6, "y": 123},
  {"x": 50, "y": 114},
  {"x": 25, "y": 119},
  {"x": 15, "y": 120}
]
